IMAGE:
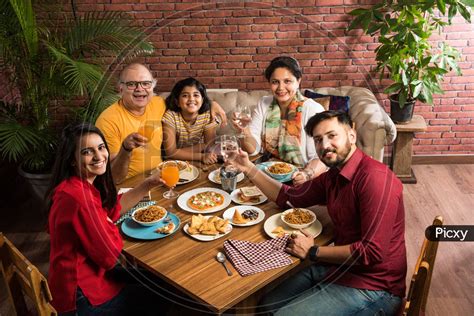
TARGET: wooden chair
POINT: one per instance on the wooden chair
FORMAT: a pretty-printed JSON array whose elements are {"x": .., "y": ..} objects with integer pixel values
[
  {"x": 421, "y": 279},
  {"x": 21, "y": 279}
]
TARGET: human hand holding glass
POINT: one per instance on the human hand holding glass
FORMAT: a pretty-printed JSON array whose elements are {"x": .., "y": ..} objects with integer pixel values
[
  {"x": 170, "y": 175},
  {"x": 229, "y": 147},
  {"x": 242, "y": 117}
]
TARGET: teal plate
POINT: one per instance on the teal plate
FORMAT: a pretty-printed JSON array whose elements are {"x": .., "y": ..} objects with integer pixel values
[
  {"x": 137, "y": 231},
  {"x": 262, "y": 166}
]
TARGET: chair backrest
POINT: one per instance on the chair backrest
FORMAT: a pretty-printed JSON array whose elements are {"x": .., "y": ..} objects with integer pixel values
[
  {"x": 421, "y": 279},
  {"x": 22, "y": 279}
]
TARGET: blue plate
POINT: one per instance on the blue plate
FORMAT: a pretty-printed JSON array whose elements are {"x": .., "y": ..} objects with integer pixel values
[
  {"x": 263, "y": 165},
  {"x": 135, "y": 230}
]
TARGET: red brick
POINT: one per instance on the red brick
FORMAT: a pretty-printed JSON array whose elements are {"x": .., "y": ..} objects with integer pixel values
[
  {"x": 163, "y": 66},
  {"x": 264, "y": 28},
  {"x": 467, "y": 140},
  {"x": 463, "y": 147},
  {"x": 446, "y": 141},
  {"x": 118, "y": 7},
  {"x": 245, "y": 12},
  {"x": 196, "y": 21},
  {"x": 267, "y": 35},
  {"x": 468, "y": 108},
  {"x": 223, "y": 29},
  {"x": 428, "y": 135},
  {"x": 195, "y": 29},
  {"x": 222, "y": 44},
  {"x": 267, "y": 20},
  {"x": 237, "y": 21},
  {"x": 463, "y": 121},
  {"x": 219, "y": 36},
  {"x": 218, "y": 13},
  {"x": 431, "y": 148},
  {"x": 316, "y": 10},
  {"x": 213, "y": 73},
  {"x": 232, "y": 65},
  {"x": 463, "y": 128},
  {"x": 465, "y": 134},
  {"x": 245, "y": 36},
  {"x": 292, "y": 27}
]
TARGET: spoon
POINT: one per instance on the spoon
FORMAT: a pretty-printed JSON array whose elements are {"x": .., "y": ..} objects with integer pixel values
[{"x": 221, "y": 258}]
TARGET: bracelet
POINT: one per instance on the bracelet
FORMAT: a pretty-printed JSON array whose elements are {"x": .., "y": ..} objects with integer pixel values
[{"x": 125, "y": 148}]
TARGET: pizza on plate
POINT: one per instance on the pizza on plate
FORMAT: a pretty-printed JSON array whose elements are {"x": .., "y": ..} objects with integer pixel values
[{"x": 205, "y": 200}]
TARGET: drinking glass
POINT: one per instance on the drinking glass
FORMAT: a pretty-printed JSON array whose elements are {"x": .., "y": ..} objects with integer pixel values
[
  {"x": 243, "y": 118},
  {"x": 229, "y": 147},
  {"x": 170, "y": 174},
  {"x": 147, "y": 129}
]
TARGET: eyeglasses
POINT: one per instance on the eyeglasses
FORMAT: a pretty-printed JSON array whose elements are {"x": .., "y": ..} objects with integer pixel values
[{"x": 132, "y": 85}]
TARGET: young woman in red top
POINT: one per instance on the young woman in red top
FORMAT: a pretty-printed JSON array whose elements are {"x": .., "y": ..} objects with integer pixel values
[{"x": 85, "y": 243}]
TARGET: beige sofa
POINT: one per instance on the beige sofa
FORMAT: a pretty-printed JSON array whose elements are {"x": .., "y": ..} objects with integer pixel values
[{"x": 374, "y": 127}]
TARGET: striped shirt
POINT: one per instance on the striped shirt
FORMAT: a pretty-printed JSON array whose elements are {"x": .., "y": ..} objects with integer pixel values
[{"x": 188, "y": 134}]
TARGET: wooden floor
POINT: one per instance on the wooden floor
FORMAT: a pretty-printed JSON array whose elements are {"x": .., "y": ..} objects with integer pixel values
[{"x": 446, "y": 190}]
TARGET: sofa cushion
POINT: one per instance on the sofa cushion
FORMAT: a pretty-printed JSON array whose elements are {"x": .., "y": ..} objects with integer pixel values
[{"x": 337, "y": 103}]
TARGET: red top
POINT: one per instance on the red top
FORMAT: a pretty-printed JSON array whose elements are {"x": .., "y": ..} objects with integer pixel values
[
  {"x": 365, "y": 202},
  {"x": 84, "y": 245}
]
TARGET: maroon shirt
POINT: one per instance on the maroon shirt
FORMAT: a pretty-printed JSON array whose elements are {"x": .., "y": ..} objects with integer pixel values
[
  {"x": 84, "y": 245},
  {"x": 365, "y": 202}
]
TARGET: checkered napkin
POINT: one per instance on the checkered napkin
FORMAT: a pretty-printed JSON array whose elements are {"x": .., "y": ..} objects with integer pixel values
[{"x": 249, "y": 258}]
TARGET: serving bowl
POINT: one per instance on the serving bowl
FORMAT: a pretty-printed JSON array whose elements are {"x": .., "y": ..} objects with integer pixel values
[
  {"x": 301, "y": 225},
  {"x": 279, "y": 176},
  {"x": 159, "y": 209}
]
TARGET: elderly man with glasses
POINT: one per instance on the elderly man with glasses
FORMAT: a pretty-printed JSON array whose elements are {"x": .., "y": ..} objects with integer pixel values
[{"x": 133, "y": 150}]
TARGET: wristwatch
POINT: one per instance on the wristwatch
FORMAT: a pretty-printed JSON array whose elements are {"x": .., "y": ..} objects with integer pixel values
[{"x": 313, "y": 253}]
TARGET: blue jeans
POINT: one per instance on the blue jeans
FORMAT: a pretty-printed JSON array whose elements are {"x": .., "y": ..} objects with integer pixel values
[{"x": 305, "y": 294}]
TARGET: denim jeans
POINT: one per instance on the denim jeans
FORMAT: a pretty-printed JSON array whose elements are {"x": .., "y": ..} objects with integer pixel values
[{"x": 305, "y": 294}]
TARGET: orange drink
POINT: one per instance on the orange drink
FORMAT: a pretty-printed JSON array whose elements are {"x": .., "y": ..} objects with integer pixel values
[
  {"x": 147, "y": 130},
  {"x": 170, "y": 174}
]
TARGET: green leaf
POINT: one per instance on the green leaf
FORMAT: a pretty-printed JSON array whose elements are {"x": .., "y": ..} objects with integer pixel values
[
  {"x": 464, "y": 12},
  {"x": 441, "y": 6}
]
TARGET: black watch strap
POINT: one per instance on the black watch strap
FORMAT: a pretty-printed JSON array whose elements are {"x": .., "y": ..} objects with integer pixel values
[{"x": 313, "y": 253}]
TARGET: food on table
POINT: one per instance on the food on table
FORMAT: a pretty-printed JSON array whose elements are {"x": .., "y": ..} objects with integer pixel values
[
  {"x": 167, "y": 229},
  {"x": 207, "y": 225},
  {"x": 150, "y": 214},
  {"x": 250, "y": 194},
  {"x": 182, "y": 165},
  {"x": 205, "y": 200},
  {"x": 238, "y": 219},
  {"x": 280, "y": 168},
  {"x": 279, "y": 231},
  {"x": 217, "y": 176},
  {"x": 298, "y": 216},
  {"x": 250, "y": 214}
]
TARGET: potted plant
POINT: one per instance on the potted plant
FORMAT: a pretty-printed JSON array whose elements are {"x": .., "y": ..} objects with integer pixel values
[
  {"x": 405, "y": 53},
  {"x": 48, "y": 65}
]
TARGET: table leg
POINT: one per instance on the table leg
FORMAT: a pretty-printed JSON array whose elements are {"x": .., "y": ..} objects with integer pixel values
[{"x": 402, "y": 157}]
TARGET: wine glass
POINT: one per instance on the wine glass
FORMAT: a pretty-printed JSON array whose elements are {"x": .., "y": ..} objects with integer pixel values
[
  {"x": 229, "y": 147},
  {"x": 170, "y": 174},
  {"x": 147, "y": 129},
  {"x": 243, "y": 118}
]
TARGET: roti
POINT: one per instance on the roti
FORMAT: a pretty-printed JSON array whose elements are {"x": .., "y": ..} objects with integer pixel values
[{"x": 205, "y": 200}]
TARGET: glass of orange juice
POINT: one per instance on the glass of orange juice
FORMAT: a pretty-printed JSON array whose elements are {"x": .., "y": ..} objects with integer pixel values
[
  {"x": 147, "y": 129},
  {"x": 170, "y": 175}
]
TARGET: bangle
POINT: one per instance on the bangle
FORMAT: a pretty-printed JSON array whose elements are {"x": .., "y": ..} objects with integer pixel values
[{"x": 125, "y": 148}]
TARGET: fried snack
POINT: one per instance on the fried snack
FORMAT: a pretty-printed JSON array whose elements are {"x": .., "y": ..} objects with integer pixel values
[
  {"x": 167, "y": 229},
  {"x": 279, "y": 231},
  {"x": 298, "y": 216},
  {"x": 238, "y": 219},
  {"x": 182, "y": 165},
  {"x": 280, "y": 168},
  {"x": 207, "y": 226},
  {"x": 150, "y": 214}
]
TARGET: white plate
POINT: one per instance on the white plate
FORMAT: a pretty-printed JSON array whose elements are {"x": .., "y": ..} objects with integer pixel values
[
  {"x": 235, "y": 198},
  {"x": 188, "y": 175},
  {"x": 183, "y": 200},
  {"x": 213, "y": 176},
  {"x": 275, "y": 220},
  {"x": 207, "y": 237},
  {"x": 229, "y": 213}
]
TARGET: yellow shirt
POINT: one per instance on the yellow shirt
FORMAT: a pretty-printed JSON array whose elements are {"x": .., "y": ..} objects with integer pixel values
[{"x": 116, "y": 122}]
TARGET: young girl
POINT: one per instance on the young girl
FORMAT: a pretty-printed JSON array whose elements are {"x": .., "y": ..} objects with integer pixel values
[
  {"x": 85, "y": 243},
  {"x": 188, "y": 127}
]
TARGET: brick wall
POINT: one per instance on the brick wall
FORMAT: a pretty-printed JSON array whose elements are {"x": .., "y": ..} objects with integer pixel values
[{"x": 228, "y": 44}]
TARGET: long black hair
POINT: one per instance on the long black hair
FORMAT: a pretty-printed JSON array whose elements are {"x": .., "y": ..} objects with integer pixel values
[
  {"x": 63, "y": 166},
  {"x": 172, "y": 101}
]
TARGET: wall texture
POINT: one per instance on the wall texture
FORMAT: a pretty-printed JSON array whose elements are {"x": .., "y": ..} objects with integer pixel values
[{"x": 228, "y": 44}]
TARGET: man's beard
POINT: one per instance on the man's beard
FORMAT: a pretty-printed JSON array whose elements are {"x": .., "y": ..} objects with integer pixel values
[{"x": 341, "y": 156}]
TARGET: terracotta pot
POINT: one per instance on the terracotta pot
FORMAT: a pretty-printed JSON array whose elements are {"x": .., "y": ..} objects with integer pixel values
[{"x": 401, "y": 115}]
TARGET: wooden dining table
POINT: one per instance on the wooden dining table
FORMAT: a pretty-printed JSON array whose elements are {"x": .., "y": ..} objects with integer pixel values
[{"x": 190, "y": 265}]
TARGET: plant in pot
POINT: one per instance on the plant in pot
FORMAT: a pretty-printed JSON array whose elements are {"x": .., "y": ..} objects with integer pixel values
[
  {"x": 46, "y": 65},
  {"x": 405, "y": 53}
]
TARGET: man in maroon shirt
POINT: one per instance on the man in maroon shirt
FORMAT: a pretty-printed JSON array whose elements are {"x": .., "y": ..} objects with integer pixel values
[{"x": 364, "y": 272}]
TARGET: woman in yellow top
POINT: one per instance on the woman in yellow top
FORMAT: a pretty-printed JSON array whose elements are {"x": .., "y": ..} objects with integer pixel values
[{"x": 187, "y": 124}]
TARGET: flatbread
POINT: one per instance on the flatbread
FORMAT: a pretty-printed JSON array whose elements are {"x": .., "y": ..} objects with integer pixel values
[{"x": 205, "y": 200}]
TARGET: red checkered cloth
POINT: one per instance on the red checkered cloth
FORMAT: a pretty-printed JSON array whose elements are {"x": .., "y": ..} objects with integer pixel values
[{"x": 249, "y": 258}]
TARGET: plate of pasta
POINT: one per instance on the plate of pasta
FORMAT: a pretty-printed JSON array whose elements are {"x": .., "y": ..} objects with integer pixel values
[
  {"x": 280, "y": 171},
  {"x": 274, "y": 227},
  {"x": 160, "y": 230}
]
